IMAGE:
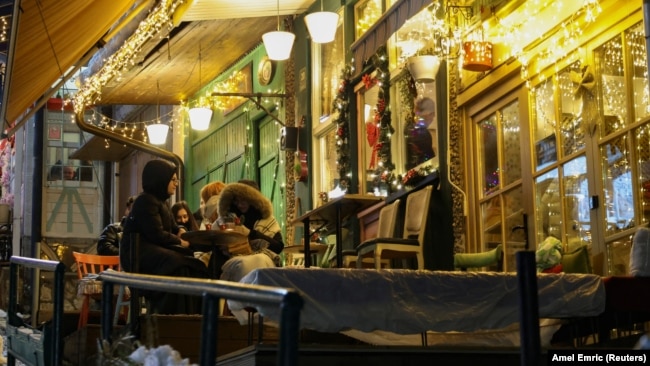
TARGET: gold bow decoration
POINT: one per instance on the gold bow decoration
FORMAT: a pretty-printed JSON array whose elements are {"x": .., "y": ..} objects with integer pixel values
[{"x": 585, "y": 80}]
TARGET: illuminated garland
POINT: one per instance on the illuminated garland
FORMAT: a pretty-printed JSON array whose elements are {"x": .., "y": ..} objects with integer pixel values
[
  {"x": 159, "y": 18},
  {"x": 341, "y": 106},
  {"x": 385, "y": 166},
  {"x": 415, "y": 176},
  {"x": 131, "y": 130},
  {"x": 407, "y": 92}
]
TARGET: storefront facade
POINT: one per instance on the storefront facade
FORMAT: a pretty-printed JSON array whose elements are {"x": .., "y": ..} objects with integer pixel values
[{"x": 547, "y": 134}]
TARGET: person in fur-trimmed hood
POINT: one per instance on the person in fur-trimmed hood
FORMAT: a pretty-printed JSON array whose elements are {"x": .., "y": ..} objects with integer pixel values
[{"x": 255, "y": 213}]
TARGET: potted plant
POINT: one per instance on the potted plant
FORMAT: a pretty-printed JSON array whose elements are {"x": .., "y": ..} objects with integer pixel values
[{"x": 297, "y": 172}]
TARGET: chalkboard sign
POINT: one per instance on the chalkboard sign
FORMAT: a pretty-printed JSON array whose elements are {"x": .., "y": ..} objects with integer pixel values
[{"x": 546, "y": 150}]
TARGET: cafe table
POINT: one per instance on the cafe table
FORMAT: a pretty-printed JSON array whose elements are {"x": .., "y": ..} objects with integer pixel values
[
  {"x": 334, "y": 212},
  {"x": 213, "y": 241}
]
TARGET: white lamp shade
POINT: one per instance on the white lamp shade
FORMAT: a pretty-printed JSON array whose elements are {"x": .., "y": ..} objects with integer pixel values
[
  {"x": 278, "y": 44},
  {"x": 322, "y": 26},
  {"x": 157, "y": 133},
  {"x": 200, "y": 118},
  {"x": 424, "y": 68}
]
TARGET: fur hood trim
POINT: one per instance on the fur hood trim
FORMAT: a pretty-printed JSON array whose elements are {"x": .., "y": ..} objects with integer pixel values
[{"x": 252, "y": 195}]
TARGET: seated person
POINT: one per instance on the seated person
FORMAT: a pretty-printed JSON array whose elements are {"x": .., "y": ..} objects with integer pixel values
[
  {"x": 160, "y": 250},
  {"x": 208, "y": 191},
  {"x": 109, "y": 239},
  {"x": 255, "y": 213},
  {"x": 183, "y": 216}
]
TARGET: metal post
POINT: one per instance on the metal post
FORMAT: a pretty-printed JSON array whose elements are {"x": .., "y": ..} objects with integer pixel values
[
  {"x": 209, "y": 330},
  {"x": 107, "y": 310},
  {"x": 290, "y": 330},
  {"x": 528, "y": 308}
]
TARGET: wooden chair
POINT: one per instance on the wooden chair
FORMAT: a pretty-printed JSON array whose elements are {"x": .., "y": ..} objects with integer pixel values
[
  {"x": 463, "y": 261},
  {"x": 411, "y": 243},
  {"x": 386, "y": 229},
  {"x": 88, "y": 264}
]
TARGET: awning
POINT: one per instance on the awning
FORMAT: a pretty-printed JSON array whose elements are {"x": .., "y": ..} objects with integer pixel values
[
  {"x": 378, "y": 34},
  {"x": 52, "y": 36},
  {"x": 101, "y": 149}
]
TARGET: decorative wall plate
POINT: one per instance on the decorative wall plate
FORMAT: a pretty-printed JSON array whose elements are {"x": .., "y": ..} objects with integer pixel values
[{"x": 265, "y": 71}]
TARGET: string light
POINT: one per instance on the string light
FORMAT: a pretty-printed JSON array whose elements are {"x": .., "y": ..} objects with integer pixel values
[{"x": 160, "y": 17}]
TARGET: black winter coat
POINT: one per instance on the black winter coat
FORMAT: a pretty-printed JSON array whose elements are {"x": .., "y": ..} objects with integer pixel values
[
  {"x": 159, "y": 251},
  {"x": 109, "y": 239}
]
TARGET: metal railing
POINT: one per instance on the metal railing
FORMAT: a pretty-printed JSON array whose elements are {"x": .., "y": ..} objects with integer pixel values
[
  {"x": 52, "y": 342},
  {"x": 212, "y": 291}
]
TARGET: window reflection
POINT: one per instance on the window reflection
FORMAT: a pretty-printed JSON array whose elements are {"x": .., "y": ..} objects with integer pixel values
[
  {"x": 489, "y": 154},
  {"x": 421, "y": 133}
]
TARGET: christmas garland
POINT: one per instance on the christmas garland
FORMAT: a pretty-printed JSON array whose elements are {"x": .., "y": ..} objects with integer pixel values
[
  {"x": 415, "y": 176},
  {"x": 384, "y": 168},
  {"x": 341, "y": 107}
]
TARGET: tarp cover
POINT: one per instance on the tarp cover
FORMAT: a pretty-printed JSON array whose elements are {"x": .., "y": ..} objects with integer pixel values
[{"x": 415, "y": 301}]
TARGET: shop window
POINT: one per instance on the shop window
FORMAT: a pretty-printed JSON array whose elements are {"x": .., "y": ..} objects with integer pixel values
[
  {"x": 366, "y": 13},
  {"x": 62, "y": 139},
  {"x": 369, "y": 135},
  {"x": 328, "y": 63}
]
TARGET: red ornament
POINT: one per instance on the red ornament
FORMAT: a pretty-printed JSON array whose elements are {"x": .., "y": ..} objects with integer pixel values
[{"x": 381, "y": 105}]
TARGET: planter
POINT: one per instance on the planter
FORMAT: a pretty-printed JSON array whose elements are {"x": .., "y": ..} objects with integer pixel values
[
  {"x": 478, "y": 56},
  {"x": 424, "y": 68}
]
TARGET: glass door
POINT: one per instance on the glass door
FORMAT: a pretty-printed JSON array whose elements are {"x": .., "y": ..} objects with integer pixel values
[
  {"x": 562, "y": 118},
  {"x": 591, "y": 148},
  {"x": 499, "y": 155},
  {"x": 623, "y": 143}
]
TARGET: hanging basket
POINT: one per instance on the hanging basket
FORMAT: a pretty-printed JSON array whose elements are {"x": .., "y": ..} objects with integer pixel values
[
  {"x": 424, "y": 68},
  {"x": 478, "y": 56}
]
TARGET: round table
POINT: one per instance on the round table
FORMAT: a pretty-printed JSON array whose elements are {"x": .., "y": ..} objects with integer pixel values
[{"x": 213, "y": 240}]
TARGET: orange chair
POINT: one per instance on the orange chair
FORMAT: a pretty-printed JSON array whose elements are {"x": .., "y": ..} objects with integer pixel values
[{"x": 88, "y": 264}]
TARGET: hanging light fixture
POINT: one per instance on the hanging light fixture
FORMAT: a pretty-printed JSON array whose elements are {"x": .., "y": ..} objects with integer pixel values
[
  {"x": 200, "y": 118},
  {"x": 322, "y": 25},
  {"x": 200, "y": 115},
  {"x": 278, "y": 44},
  {"x": 158, "y": 131}
]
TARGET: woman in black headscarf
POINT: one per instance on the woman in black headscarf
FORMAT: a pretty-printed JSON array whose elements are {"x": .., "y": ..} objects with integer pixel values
[{"x": 160, "y": 250}]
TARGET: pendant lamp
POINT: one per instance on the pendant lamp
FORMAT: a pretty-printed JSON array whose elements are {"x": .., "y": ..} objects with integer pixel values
[
  {"x": 200, "y": 118},
  {"x": 322, "y": 25},
  {"x": 278, "y": 44},
  {"x": 157, "y": 133},
  {"x": 200, "y": 115}
]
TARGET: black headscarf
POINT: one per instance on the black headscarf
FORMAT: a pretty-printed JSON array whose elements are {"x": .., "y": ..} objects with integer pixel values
[{"x": 156, "y": 176}]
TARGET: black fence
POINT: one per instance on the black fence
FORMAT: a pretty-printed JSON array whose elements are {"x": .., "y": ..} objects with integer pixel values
[
  {"x": 212, "y": 291},
  {"x": 27, "y": 343}
]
